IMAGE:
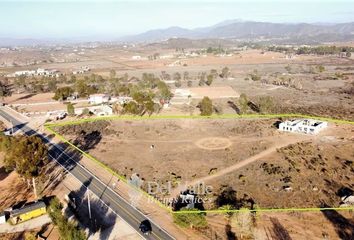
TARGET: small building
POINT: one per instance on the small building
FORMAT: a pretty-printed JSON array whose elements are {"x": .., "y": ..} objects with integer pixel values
[
  {"x": 307, "y": 126},
  {"x": 99, "y": 98},
  {"x": 28, "y": 212},
  {"x": 2, "y": 218}
]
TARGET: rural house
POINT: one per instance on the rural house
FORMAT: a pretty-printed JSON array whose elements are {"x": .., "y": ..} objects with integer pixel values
[{"x": 307, "y": 126}]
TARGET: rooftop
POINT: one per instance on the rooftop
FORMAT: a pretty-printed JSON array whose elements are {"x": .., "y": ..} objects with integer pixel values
[{"x": 28, "y": 208}]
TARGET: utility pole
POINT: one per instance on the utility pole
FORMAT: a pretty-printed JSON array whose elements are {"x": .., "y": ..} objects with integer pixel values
[
  {"x": 12, "y": 128},
  {"x": 88, "y": 202}
]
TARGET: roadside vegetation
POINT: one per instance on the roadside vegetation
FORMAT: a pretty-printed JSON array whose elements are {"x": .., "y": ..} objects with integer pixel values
[{"x": 190, "y": 220}]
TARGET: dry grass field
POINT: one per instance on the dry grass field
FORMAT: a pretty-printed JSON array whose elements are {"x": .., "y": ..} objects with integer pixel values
[{"x": 250, "y": 156}]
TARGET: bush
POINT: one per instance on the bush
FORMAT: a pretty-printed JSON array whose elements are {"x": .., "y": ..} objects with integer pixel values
[
  {"x": 63, "y": 93},
  {"x": 206, "y": 107},
  {"x": 70, "y": 109},
  {"x": 196, "y": 220}
]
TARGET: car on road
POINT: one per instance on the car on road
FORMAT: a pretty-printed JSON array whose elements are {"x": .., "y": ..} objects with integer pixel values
[{"x": 145, "y": 227}]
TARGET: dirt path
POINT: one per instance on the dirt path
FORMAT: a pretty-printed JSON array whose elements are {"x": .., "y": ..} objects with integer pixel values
[{"x": 282, "y": 141}]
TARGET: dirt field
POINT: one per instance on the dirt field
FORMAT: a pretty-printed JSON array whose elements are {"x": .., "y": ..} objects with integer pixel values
[
  {"x": 285, "y": 226},
  {"x": 307, "y": 174},
  {"x": 172, "y": 150}
]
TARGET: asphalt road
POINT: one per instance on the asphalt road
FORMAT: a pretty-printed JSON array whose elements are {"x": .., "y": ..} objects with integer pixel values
[{"x": 66, "y": 159}]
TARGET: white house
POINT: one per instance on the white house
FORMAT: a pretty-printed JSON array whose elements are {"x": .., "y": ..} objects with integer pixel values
[
  {"x": 308, "y": 126},
  {"x": 99, "y": 98}
]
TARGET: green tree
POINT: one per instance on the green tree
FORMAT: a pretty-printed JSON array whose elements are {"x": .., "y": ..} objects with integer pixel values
[
  {"x": 225, "y": 72},
  {"x": 52, "y": 85},
  {"x": 62, "y": 79},
  {"x": 210, "y": 79},
  {"x": 83, "y": 89},
  {"x": 243, "y": 222},
  {"x": 63, "y": 93},
  {"x": 255, "y": 76},
  {"x": 265, "y": 104},
  {"x": 20, "y": 81},
  {"x": 30, "y": 236},
  {"x": 214, "y": 72},
  {"x": 196, "y": 220},
  {"x": 86, "y": 112},
  {"x": 27, "y": 155},
  {"x": 320, "y": 68},
  {"x": 177, "y": 76},
  {"x": 71, "y": 109},
  {"x": 132, "y": 108},
  {"x": 112, "y": 73},
  {"x": 206, "y": 107},
  {"x": 164, "y": 91},
  {"x": 243, "y": 101},
  {"x": 73, "y": 79},
  {"x": 68, "y": 230},
  {"x": 4, "y": 90},
  {"x": 288, "y": 68},
  {"x": 186, "y": 75},
  {"x": 178, "y": 83}
]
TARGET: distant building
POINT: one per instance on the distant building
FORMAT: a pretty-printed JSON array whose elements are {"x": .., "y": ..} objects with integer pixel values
[
  {"x": 38, "y": 72},
  {"x": 25, "y": 73},
  {"x": 99, "y": 98},
  {"x": 136, "y": 57},
  {"x": 28, "y": 212},
  {"x": 307, "y": 126},
  {"x": 81, "y": 70}
]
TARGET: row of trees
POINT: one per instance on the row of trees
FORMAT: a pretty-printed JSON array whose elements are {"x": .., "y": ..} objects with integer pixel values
[
  {"x": 318, "y": 50},
  {"x": 262, "y": 104}
]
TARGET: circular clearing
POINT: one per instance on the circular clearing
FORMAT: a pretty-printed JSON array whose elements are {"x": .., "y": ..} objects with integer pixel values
[{"x": 213, "y": 143}]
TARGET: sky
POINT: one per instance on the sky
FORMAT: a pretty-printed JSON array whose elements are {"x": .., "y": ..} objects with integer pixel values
[{"x": 110, "y": 19}]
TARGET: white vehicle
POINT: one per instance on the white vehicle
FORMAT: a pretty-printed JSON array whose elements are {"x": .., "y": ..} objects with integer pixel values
[{"x": 61, "y": 116}]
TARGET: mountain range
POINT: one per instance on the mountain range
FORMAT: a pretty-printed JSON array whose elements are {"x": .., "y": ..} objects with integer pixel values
[
  {"x": 249, "y": 30},
  {"x": 296, "y": 33}
]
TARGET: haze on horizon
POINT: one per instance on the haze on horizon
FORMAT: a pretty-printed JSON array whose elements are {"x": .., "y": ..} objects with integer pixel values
[{"x": 111, "y": 19}]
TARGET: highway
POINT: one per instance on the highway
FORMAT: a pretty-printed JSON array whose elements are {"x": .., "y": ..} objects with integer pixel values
[{"x": 115, "y": 202}]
